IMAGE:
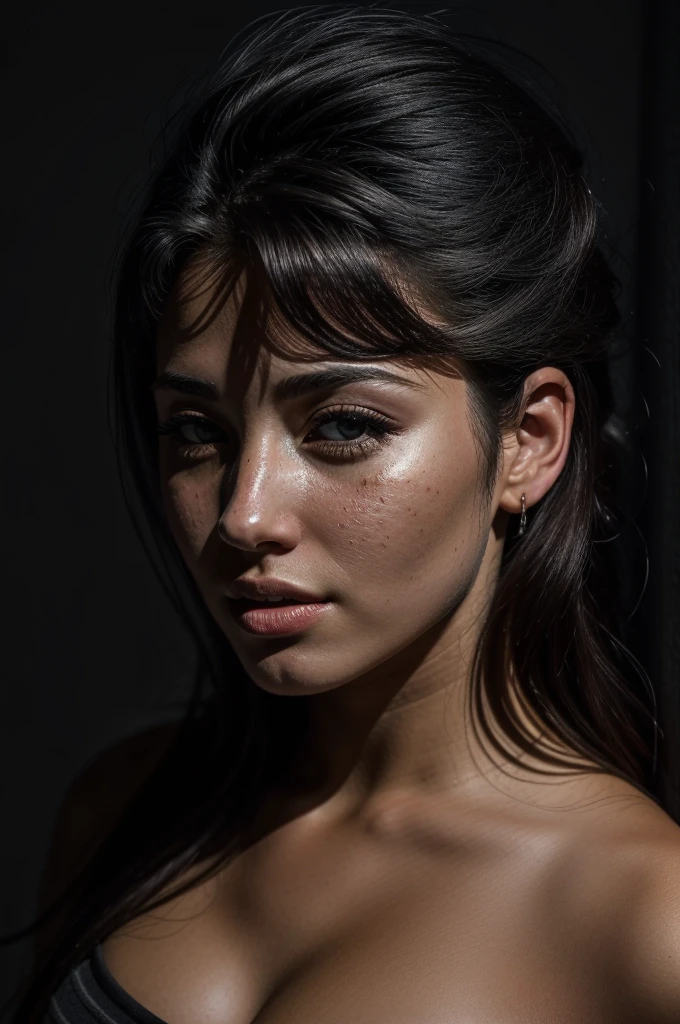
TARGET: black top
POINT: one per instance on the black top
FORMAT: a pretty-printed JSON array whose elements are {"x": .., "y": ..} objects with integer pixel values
[{"x": 91, "y": 995}]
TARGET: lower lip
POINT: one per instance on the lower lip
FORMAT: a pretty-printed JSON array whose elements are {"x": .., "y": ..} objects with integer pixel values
[{"x": 292, "y": 618}]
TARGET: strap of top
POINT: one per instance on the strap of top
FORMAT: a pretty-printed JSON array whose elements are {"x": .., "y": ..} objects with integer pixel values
[{"x": 91, "y": 995}]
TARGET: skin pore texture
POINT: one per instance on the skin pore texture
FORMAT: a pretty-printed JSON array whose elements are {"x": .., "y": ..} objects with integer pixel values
[
  {"x": 397, "y": 871},
  {"x": 396, "y": 537}
]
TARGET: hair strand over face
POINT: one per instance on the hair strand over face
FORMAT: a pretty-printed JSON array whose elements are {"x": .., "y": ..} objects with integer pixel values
[{"x": 392, "y": 192}]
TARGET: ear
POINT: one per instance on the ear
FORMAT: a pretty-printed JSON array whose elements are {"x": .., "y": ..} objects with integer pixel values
[{"x": 535, "y": 452}]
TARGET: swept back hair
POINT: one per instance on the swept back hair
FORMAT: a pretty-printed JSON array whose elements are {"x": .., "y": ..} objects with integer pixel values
[{"x": 393, "y": 191}]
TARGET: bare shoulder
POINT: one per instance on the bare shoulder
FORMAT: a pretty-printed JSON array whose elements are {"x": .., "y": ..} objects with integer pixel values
[
  {"x": 101, "y": 790},
  {"x": 120, "y": 768},
  {"x": 89, "y": 809},
  {"x": 651, "y": 946},
  {"x": 615, "y": 898},
  {"x": 638, "y": 866}
]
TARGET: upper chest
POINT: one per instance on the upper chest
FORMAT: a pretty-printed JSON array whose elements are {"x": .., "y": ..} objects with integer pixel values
[{"x": 502, "y": 925}]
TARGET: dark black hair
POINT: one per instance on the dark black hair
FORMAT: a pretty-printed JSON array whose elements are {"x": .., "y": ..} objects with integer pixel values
[{"x": 353, "y": 159}]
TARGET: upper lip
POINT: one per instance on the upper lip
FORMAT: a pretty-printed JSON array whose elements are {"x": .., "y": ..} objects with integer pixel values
[{"x": 269, "y": 587}]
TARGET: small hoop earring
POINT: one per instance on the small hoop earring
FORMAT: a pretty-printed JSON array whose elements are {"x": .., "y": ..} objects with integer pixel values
[{"x": 523, "y": 517}]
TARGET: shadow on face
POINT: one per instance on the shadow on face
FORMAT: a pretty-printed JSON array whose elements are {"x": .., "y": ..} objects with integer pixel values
[{"x": 356, "y": 480}]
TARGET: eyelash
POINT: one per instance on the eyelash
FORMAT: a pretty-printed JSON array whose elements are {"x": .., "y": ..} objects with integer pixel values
[{"x": 380, "y": 425}]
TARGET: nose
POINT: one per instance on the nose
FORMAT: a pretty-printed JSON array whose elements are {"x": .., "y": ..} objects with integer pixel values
[{"x": 259, "y": 501}]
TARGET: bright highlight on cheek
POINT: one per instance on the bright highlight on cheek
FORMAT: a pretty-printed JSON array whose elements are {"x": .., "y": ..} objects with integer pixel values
[
  {"x": 387, "y": 529},
  {"x": 381, "y": 500}
]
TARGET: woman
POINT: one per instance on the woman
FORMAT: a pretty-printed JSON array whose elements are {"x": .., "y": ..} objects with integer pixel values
[{"x": 361, "y": 384}]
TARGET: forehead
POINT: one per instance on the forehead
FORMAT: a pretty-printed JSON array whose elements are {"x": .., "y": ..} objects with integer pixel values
[
  {"x": 229, "y": 331},
  {"x": 218, "y": 325}
]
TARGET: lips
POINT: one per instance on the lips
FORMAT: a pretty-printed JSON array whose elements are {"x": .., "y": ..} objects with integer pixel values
[
  {"x": 280, "y": 618},
  {"x": 256, "y": 589},
  {"x": 239, "y": 605}
]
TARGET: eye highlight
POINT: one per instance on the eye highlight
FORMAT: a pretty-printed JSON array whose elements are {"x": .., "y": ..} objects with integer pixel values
[{"x": 350, "y": 419}]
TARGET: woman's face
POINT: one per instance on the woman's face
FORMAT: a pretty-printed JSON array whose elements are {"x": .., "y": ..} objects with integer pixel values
[{"x": 379, "y": 516}]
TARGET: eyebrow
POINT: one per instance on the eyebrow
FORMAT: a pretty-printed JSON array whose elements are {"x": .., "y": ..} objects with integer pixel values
[{"x": 290, "y": 387}]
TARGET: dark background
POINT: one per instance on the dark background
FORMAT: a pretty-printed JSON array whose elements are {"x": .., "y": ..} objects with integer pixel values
[{"x": 93, "y": 649}]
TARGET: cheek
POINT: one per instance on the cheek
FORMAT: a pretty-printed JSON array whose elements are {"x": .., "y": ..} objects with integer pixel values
[
  {"x": 190, "y": 514},
  {"x": 415, "y": 525}
]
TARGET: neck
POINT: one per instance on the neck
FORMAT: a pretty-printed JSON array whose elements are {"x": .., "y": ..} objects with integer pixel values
[{"x": 402, "y": 734}]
